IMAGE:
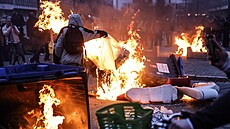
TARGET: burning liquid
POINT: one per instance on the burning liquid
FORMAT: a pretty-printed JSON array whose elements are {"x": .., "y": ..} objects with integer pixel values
[
  {"x": 47, "y": 118},
  {"x": 195, "y": 42}
]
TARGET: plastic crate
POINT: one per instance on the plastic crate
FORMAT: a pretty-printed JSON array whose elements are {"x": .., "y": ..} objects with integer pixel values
[{"x": 124, "y": 116}]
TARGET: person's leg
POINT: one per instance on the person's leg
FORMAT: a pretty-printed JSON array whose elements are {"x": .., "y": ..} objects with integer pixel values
[
  {"x": 1, "y": 60},
  {"x": 10, "y": 52},
  {"x": 20, "y": 51},
  {"x": 47, "y": 54},
  {"x": 36, "y": 55},
  {"x": 36, "y": 50},
  {"x": 156, "y": 39},
  {"x": 169, "y": 39}
]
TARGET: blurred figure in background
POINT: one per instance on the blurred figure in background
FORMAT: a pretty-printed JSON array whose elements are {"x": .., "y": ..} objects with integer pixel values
[
  {"x": 1, "y": 47},
  {"x": 12, "y": 39},
  {"x": 18, "y": 20},
  {"x": 39, "y": 39}
]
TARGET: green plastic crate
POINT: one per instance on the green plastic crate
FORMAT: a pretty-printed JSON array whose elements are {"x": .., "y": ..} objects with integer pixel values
[{"x": 124, "y": 116}]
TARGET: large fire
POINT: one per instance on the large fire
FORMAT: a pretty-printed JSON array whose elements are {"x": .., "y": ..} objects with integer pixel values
[
  {"x": 46, "y": 119},
  {"x": 52, "y": 17},
  {"x": 129, "y": 73},
  {"x": 127, "y": 76},
  {"x": 195, "y": 42}
]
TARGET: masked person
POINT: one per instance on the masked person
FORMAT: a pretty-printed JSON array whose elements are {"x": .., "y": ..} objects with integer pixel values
[
  {"x": 217, "y": 113},
  {"x": 69, "y": 44}
]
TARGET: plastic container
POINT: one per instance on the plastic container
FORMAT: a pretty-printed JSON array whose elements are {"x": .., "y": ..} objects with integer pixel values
[
  {"x": 124, "y": 116},
  {"x": 36, "y": 72},
  {"x": 20, "y": 87}
]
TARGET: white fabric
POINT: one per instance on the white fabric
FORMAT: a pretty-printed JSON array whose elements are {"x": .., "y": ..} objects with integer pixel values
[
  {"x": 206, "y": 85},
  {"x": 199, "y": 93},
  {"x": 103, "y": 52},
  {"x": 164, "y": 93}
]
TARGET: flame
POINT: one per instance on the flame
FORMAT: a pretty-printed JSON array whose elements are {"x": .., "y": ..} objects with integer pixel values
[
  {"x": 187, "y": 98},
  {"x": 129, "y": 74},
  {"x": 47, "y": 99},
  {"x": 195, "y": 42},
  {"x": 52, "y": 17}
]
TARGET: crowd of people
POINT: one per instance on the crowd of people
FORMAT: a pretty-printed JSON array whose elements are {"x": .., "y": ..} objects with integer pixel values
[
  {"x": 16, "y": 31},
  {"x": 17, "y": 34}
]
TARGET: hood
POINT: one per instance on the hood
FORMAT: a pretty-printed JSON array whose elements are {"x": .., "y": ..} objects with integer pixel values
[{"x": 75, "y": 19}]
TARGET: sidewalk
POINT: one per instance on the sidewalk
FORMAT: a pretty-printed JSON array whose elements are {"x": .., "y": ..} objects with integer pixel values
[{"x": 27, "y": 56}]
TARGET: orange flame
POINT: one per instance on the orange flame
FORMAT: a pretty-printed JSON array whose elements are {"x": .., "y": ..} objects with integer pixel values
[
  {"x": 187, "y": 98},
  {"x": 47, "y": 99},
  {"x": 129, "y": 74},
  {"x": 52, "y": 17},
  {"x": 195, "y": 42}
]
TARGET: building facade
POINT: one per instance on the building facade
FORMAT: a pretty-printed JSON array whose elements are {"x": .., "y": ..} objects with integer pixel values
[
  {"x": 119, "y": 4},
  {"x": 23, "y": 6},
  {"x": 214, "y": 7}
]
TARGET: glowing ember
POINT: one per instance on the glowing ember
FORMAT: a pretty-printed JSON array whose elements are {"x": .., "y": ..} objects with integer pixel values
[
  {"x": 52, "y": 17},
  {"x": 128, "y": 75},
  {"x": 195, "y": 42},
  {"x": 187, "y": 98},
  {"x": 47, "y": 99}
]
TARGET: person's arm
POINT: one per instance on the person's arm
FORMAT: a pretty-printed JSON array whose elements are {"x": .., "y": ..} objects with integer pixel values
[
  {"x": 211, "y": 116},
  {"x": 58, "y": 46},
  {"x": 15, "y": 29},
  {"x": 92, "y": 34},
  {"x": 214, "y": 115},
  {"x": 6, "y": 31}
]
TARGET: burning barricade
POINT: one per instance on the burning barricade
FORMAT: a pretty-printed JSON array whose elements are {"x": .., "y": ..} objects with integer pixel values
[{"x": 189, "y": 43}]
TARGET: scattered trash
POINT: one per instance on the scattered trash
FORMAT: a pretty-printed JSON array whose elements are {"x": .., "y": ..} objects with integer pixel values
[{"x": 159, "y": 115}]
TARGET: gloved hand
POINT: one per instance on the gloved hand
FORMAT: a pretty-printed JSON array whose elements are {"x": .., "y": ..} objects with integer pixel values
[
  {"x": 218, "y": 56},
  {"x": 102, "y": 33},
  {"x": 180, "y": 124}
]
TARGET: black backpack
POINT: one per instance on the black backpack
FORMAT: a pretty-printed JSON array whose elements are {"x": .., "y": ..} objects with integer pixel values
[{"x": 73, "y": 41}]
